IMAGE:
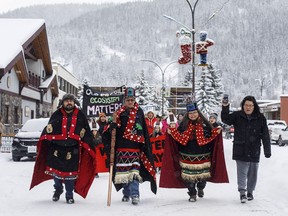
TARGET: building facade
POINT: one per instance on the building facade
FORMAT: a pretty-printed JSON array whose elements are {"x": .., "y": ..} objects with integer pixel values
[
  {"x": 28, "y": 85},
  {"x": 67, "y": 82}
]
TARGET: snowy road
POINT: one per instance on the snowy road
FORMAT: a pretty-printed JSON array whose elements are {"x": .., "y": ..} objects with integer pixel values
[{"x": 220, "y": 199}]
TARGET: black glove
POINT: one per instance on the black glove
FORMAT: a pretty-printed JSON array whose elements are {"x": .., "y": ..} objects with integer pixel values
[{"x": 267, "y": 155}]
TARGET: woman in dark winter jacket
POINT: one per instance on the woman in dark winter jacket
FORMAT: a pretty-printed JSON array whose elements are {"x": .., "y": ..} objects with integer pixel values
[{"x": 250, "y": 128}]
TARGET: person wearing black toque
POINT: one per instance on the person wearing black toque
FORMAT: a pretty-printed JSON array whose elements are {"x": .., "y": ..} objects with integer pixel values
[{"x": 66, "y": 152}]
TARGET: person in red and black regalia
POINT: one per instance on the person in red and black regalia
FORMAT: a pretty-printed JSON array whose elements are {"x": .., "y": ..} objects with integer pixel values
[
  {"x": 193, "y": 154},
  {"x": 66, "y": 152},
  {"x": 133, "y": 162}
]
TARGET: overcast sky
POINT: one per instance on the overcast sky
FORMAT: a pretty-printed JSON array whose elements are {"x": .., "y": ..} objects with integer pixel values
[{"x": 6, "y": 5}]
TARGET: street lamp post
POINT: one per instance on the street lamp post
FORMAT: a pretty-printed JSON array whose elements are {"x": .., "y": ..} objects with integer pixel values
[
  {"x": 163, "y": 81},
  {"x": 193, "y": 45},
  {"x": 193, "y": 40}
]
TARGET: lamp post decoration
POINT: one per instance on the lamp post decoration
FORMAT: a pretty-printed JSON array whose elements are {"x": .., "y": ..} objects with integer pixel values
[
  {"x": 185, "y": 43},
  {"x": 202, "y": 47},
  {"x": 192, "y": 32}
]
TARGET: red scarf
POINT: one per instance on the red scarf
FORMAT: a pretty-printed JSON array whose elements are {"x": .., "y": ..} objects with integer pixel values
[{"x": 128, "y": 133}]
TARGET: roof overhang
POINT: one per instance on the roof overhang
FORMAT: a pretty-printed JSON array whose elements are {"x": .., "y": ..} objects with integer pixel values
[{"x": 36, "y": 41}]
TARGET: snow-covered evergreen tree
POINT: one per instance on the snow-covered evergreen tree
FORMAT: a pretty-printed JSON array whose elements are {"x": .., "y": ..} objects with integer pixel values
[
  {"x": 205, "y": 93},
  {"x": 143, "y": 91},
  {"x": 187, "y": 78},
  {"x": 216, "y": 84},
  {"x": 146, "y": 95},
  {"x": 85, "y": 81}
]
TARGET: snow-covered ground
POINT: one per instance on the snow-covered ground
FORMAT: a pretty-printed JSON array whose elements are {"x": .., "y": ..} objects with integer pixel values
[{"x": 220, "y": 199}]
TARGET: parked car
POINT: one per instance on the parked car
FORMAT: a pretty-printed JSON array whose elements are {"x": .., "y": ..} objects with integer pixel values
[
  {"x": 281, "y": 135},
  {"x": 25, "y": 141},
  {"x": 275, "y": 127}
]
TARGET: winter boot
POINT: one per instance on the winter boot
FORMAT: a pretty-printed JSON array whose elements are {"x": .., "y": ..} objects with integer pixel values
[
  {"x": 250, "y": 196},
  {"x": 70, "y": 200},
  {"x": 200, "y": 193},
  {"x": 192, "y": 198},
  {"x": 125, "y": 198},
  {"x": 56, "y": 195},
  {"x": 243, "y": 198},
  {"x": 135, "y": 200}
]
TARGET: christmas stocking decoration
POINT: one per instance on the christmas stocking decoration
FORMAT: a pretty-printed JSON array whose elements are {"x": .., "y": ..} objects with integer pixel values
[{"x": 185, "y": 42}]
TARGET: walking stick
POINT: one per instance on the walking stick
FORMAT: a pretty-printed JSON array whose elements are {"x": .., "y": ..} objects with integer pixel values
[{"x": 112, "y": 155}]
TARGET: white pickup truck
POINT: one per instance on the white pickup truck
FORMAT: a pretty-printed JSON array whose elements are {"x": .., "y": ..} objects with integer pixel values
[{"x": 278, "y": 131}]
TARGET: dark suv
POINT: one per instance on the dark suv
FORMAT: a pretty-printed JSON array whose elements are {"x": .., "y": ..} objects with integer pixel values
[{"x": 25, "y": 141}]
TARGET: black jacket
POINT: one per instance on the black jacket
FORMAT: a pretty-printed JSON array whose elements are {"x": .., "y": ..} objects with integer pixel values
[{"x": 248, "y": 134}]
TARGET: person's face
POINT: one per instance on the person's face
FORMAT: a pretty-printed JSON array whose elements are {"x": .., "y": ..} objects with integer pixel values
[
  {"x": 150, "y": 115},
  {"x": 103, "y": 118},
  {"x": 157, "y": 129},
  {"x": 248, "y": 107},
  {"x": 172, "y": 125},
  {"x": 94, "y": 132},
  {"x": 193, "y": 115},
  {"x": 68, "y": 105},
  {"x": 212, "y": 120},
  {"x": 129, "y": 102},
  {"x": 180, "y": 117}
]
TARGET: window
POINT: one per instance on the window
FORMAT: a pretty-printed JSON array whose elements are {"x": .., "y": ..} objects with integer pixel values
[
  {"x": 32, "y": 114},
  {"x": 27, "y": 111}
]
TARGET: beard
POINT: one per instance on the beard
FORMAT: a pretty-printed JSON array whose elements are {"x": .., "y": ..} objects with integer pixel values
[{"x": 68, "y": 107}]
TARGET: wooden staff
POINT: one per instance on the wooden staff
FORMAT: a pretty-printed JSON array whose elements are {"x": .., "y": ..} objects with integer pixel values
[{"x": 112, "y": 155}]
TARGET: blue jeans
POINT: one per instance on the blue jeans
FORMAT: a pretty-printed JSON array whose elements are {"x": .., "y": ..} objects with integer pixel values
[
  {"x": 203, "y": 58},
  {"x": 131, "y": 189},
  {"x": 246, "y": 176},
  {"x": 69, "y": 186}
]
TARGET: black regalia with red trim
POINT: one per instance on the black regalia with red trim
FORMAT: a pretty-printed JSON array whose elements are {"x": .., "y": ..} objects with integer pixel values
[
  {"x": 189, "y": 151},
  {"x": 133, "y": 151},
  {"x": 65, "y": 150}
]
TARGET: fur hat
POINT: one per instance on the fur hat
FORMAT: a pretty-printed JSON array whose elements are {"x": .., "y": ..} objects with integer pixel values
[
  {"x": 191, "y": 107},
  {"x": 69, "y": 97}
]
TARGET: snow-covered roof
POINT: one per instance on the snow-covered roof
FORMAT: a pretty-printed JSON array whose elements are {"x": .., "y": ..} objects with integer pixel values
[
  {"x": 14, "y": 33},
  {"x": 47, "y": 82},
  {"x": 266, "y": 103}
]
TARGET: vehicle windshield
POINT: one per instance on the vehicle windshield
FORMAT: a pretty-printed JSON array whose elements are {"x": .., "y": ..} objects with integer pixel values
[{"x": 35, "y": 125}]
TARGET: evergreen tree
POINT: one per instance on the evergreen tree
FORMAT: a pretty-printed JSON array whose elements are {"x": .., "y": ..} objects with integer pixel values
[
  {"x": 85, "y": 81},
  {"x": 142, "y": 89},
  {"x": 205, "y": 93},
  {"x": 146, "y": 95},
  {"x": 187, "y": 78},
  {"x": 216, "y": 84}
]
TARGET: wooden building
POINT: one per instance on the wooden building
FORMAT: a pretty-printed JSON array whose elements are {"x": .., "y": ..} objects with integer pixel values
[{"x": 28, "y": 85}]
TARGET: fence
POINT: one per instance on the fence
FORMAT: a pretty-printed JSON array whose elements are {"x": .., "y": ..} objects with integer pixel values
[{"x": 6, "y": 143}]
